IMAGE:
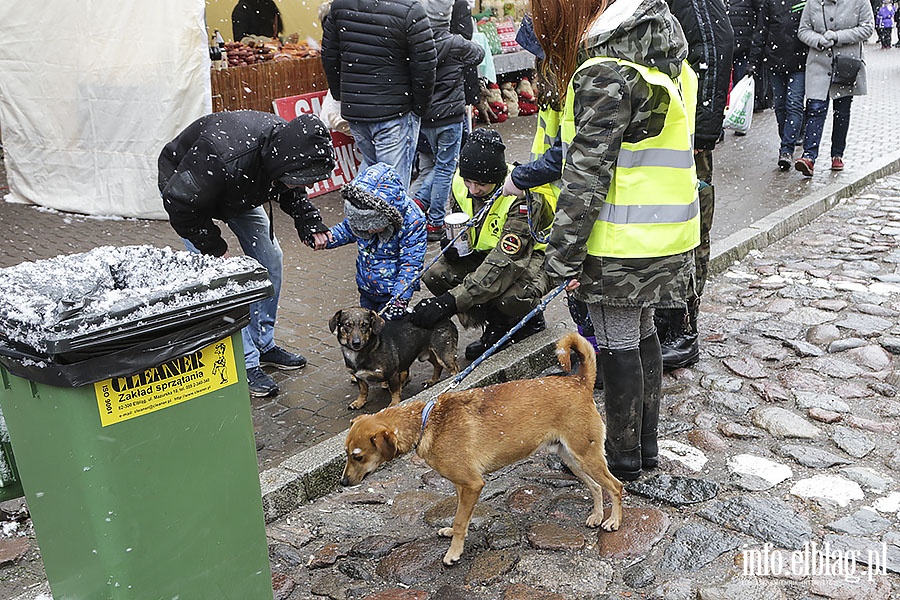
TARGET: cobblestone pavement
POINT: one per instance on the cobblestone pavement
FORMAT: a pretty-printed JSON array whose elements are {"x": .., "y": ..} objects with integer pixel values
[
  {"x": 781, "y": 442},
  {"x": 796, "y": 370}
]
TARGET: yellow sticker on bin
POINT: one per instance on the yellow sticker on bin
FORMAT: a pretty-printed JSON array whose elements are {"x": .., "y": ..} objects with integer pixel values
[{"x": 170, "y": 383}]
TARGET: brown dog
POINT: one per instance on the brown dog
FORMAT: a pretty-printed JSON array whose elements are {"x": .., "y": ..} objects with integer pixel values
[
  {"x": 376, "y": 350},
  {"x": 477, "y": 431}
]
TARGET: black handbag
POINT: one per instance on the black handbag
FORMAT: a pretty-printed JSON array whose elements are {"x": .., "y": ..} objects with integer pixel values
[{"x": 844, "y": 69}]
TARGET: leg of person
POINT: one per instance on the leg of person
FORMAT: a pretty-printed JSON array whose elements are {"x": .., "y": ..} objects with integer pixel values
[
  {"x": 840, "y": 127},
  {"x": 651, "y": 368},
  {"x": 618, "y": 332},
  {"x": 252, "y": 229},
  {"x": 779, "y": 104},
  {"x": 363, "y": 137},
  {"x": 680, "y": 345},
  {"x": 445, "y": 141},
  {"x": 816, "y": 110},
  {"x": 793, "y": 122},
  {"x": 420, "y": 188},
  {"x": 395, "y": 144}
]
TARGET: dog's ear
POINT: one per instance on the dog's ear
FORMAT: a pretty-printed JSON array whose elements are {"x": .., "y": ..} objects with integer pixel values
[
  {"x": 333, "y": 321},
  {"x": 385, "y": 444},
  {"x": 377, "y": 322}
]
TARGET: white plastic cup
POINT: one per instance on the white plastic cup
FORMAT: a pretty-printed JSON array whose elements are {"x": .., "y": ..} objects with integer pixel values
[{"x": 453, "y": 224}]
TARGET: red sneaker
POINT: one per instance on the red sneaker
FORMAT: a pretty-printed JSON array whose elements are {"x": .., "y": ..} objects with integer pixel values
[
  {"x": 805, "y": 166},
  {"x": 837, "y": 163}
]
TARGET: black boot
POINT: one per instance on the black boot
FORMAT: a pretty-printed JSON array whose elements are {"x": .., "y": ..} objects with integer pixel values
[
  {"x": 623, "y": 395},
  {"x": 679, "y": 346},
  {"x": 496, "y": 325},
  {"x": 651, "y": 365},
  {"x": 534, "y": 325}
]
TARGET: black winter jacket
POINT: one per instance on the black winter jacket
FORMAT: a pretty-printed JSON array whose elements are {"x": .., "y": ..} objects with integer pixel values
[
  {"x": 743, "y": 15},
  {"x": 776, "y": 37},
  {"x": 454, "y": 53},
  {"x": 710, "y": 42},
  {"x": 228, "y": 163},
  {"x": 379, "y": 58}
]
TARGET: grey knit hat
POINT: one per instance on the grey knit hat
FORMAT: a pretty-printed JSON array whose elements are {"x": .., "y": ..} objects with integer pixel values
[
  {"x": 438, "y": 11},
  {"x": 365, "y": 211}
]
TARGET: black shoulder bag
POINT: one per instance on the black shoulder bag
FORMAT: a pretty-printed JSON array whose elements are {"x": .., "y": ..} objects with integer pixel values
[{"x": 844, "y": 69}]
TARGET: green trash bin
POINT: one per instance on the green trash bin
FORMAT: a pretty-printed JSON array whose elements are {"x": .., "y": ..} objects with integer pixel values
[{"x": 134, "y": 443}]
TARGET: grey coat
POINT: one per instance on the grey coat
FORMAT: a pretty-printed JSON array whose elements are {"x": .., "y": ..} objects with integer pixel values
[{"x": 854, "y": 23}]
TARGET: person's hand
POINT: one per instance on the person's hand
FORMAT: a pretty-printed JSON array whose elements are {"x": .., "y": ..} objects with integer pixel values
[
  {"x": 449, "y": 251},
  {"x": 430, "y": 311},
  {"x": 510, "y": 189},
  {"x": 396, "y": 310},
  {"x": 572, "y": 285},
  {"x": 751, "y": 69},
  {"x": 831, "y": 35},
  {"x": 320, "y": 240},
  {"x": 826, "y": 44}
]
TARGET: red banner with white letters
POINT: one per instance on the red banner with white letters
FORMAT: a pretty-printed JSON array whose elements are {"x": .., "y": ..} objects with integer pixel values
[{"x": 346, "y": 155}]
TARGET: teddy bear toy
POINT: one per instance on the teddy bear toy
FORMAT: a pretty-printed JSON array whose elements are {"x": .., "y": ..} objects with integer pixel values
[{"x": 527, "y": 101}]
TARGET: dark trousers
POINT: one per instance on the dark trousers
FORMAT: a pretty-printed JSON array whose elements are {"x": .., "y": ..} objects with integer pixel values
[{"x": 816, "y": 111}]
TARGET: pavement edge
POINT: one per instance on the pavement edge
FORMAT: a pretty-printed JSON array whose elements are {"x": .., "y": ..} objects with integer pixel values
[{"x": 316, "y": 471}]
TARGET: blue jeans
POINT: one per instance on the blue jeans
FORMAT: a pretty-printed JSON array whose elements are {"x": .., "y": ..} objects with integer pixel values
[
  {"x": 787, "y": 100},
  {"x": 252, "y": 231},
  {"x": 392, "y": 142},
  {"x": 816, "y": 111},
  {"x": 435, "y": 189}
]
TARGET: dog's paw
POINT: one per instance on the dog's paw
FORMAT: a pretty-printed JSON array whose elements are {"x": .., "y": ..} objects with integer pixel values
[
  {"x": 445, "y": 532},
  {"x": 611, "y": 524},
  {"x": 594, "y": 520},
  {"x": 357, "y": 404},
  {"x": 451, "y": 558}
]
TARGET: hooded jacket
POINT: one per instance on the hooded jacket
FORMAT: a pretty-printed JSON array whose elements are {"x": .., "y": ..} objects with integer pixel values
[
  {"x": 228, "y": 163},
  {"x": 387, "y": 262},
  {"x": 612, "y": 104},
  {"x": 379, "y": 59}
]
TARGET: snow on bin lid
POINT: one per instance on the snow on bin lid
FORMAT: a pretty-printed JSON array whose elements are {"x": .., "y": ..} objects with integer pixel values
[{"x": 77, "y": 293}]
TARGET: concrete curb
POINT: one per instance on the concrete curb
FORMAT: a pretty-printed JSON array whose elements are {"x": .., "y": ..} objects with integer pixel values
[{"x": 316, "y": 471}]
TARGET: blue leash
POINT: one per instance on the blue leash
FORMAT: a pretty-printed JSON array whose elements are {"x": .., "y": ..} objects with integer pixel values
[{"x": 487, "y": 353}]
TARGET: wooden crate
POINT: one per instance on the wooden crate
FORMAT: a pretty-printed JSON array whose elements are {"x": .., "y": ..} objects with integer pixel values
[{"x": 255, "y": 86}]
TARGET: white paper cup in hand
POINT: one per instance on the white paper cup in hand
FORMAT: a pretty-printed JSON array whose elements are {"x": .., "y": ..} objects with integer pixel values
[{"x": 453, "y": 224}]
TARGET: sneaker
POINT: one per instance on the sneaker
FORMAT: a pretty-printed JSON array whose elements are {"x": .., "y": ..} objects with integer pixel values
[
  {"x": 785, "y": 161},
  {"x": 740, "y": 133},
  {"x": 435, "y": 232},
  {"x": 281, "y": 359},
  {"x": 837, "y": 163},
  {"x": 805, "y": 166},
  {"x": 261, "y": 385}
]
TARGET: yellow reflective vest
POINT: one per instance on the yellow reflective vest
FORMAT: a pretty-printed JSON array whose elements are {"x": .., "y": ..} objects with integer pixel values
[
  {"x": 545, "y": 137},
  {"x": 651, "y": 208},
  {"x": 490, "y": 231}
]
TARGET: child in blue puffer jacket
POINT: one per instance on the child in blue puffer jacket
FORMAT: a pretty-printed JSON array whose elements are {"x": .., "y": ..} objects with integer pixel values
[{"x": 389, "y": 230}]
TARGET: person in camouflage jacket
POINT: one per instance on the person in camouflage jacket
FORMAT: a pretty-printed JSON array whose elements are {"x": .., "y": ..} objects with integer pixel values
[
  {"x": 612, "y": 104},
  {"x": 494, "y": 284}
]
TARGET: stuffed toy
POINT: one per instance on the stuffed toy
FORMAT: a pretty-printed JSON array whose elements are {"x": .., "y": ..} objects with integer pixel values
[
  {"x": 508, "y": 91},
  {"x": 527, "y": 101},
  {"x": 491, "y": 107}
]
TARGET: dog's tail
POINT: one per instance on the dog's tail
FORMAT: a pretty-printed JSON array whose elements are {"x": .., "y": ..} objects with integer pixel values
[{"x": 586, "y": 368}]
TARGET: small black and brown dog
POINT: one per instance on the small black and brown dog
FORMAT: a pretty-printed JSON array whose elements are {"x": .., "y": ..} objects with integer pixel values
[{"x": 376, "y": 350}]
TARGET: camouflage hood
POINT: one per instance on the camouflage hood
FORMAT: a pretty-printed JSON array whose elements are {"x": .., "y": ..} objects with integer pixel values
[{"x": 640, "y": 31}]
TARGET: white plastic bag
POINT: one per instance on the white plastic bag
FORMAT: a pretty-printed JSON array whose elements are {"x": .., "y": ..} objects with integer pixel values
[
  {"x": 740, "y": 111},
  {"x": 330, "y": 113}
]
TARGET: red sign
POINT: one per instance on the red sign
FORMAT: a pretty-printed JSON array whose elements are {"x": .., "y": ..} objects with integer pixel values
[{"x": 346, "y": 155}]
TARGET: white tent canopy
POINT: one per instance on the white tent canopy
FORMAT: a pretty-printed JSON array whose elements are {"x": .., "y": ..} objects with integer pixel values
[{"x": 89, "y": 95}]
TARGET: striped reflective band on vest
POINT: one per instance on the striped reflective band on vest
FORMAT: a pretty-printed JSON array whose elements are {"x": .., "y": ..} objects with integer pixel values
[{"x": 651, "y": 208}]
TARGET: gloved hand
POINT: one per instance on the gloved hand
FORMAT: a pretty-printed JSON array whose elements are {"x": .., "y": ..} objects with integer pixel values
[
  {"x": 751, "y": 69},
  {"x": 450, "y": 253},
  {"x": 396, "y": 310},
  {"x": 510, "y": 189},
  {"x": 831, "y": 35},
  {"x": 430, "y": 311},
  {"x": 826, "y": 44}
]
